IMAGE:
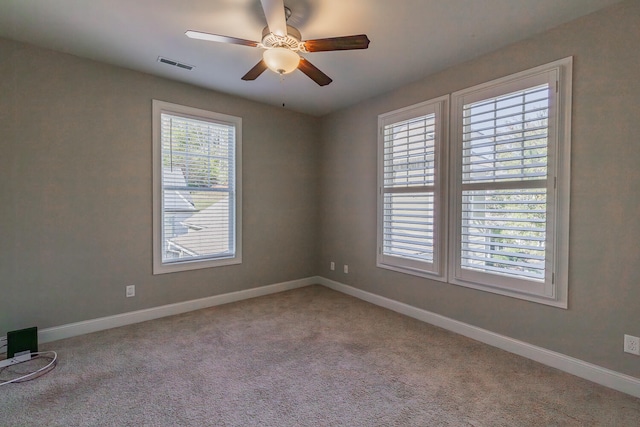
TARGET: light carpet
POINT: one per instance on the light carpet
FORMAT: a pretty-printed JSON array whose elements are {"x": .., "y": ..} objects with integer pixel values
[{"x": 306, "y": 357}]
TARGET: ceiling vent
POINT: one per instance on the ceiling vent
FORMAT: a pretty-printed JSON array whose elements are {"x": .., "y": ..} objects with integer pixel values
[{"x": 175, "y": 63}]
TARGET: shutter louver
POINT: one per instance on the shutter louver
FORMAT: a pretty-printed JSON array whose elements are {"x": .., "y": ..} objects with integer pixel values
[{"x": 408, "y": 226}]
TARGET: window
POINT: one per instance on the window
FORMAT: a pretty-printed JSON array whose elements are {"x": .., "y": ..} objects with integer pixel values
[
  {"x": 510, "y": 175},
  {"x": 410, "y": 200},
  {"x": 196, "y": 180},
  {"x": 506, "y": 229}
]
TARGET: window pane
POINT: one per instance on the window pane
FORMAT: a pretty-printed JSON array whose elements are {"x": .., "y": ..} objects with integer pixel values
[
  {"x": 410, "y": 178},
  {"x": 203, "y": 151},
  {"x": 504, "y": 232},
  {"x": 409, "y": 152},
  {"x": 196, "y": 224},
  {"x": 198, "y": 189},
  {"x": 505, "y": 138},
  {"x": 409, "y": 226}
]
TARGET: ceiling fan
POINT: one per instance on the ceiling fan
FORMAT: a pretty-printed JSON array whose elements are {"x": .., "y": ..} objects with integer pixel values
[{"x": 283, "y": 43}]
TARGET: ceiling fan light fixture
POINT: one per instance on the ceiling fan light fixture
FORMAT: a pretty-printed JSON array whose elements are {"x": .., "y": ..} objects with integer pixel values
[
  {"x": 281, "y": 60},
  {"x": 283, "y": 45}
]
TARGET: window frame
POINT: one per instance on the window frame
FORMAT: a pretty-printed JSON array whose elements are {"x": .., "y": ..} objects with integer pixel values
[
  {"x": 554, "y": 291},
  {"x": 447, "y": 241},
  {"x": 162, "y": 107},
  {"x": 437, "y": 269}
]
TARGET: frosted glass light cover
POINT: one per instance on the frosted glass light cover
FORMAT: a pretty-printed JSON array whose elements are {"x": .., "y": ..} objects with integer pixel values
[{"x": 281, "y": 60}]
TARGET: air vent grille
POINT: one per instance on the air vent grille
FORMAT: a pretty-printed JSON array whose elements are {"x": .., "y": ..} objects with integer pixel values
[{"x": 175, "y": 63}]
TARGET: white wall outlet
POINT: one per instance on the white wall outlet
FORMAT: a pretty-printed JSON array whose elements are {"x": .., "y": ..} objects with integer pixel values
[
  {"x": 332, "y": 266},
  {"x": 346, "y": 269},
  {"x": 131, "y": 291},
  {"x": 632, "y": 344}
]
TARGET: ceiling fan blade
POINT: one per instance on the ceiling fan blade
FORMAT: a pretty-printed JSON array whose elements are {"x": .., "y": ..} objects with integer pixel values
[
  {"x": 255, "y": 72},
  {"x": 274, "y": 12},
  {"x": 221, "y": 39},
  {"x": 360, "y": 41},
  {"x": 314, "y": 73}
]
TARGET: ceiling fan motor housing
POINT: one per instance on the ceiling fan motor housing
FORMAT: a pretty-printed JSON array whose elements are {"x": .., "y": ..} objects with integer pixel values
[{"x": 290, "y": 41}]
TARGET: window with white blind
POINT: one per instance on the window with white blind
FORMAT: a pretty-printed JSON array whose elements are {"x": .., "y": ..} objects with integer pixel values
[
  {"x": 411, "y": 205},
  {"x": 510, "y": 185},
  {"x": 503, "y": 226},
  {"x": 196, "y": 179}
]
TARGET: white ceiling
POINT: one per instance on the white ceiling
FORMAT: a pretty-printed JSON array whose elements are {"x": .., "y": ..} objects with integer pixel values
[{"x": 410, "y": 39}]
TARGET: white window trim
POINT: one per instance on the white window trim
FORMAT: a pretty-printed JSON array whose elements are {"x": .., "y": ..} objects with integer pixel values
[
  {"x": 436, "y": 270},
  {"x": 159, "y": 107},
  {"x": 556, "y": 290}
]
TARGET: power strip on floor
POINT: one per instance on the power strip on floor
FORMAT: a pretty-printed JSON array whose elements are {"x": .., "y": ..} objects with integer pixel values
[{"x": 17, "y": 358}]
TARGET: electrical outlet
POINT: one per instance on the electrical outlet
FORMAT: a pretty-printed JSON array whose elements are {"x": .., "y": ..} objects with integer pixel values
[
  {"x": 346, "y": 269},
  {"x": 632, "y": 345},
  {"x": 131, "y": 291},
  {"x": 332, "y": 266}
]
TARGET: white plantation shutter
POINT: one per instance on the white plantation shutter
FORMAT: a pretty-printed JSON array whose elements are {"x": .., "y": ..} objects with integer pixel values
[
  {"x": 508, "y": 140},
  {"x": 410, "y": 205},
  {"x": 198, "y": 197},
  {"x": 504, "y": 184},
  {"x": 503, "y": 226}
]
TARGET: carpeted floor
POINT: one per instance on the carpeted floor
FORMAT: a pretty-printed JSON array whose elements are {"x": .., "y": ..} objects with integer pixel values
[{"x": 307, "y": 357}]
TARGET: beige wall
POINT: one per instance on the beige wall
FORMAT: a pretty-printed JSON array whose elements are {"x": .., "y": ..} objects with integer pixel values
[
  {"x": 604, "y": 277},
  {"x": 75, "y": 191}
]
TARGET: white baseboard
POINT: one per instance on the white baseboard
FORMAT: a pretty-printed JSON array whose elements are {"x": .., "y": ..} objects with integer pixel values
[
  {"x": 606, "y": 377},
  {"x": 102, "y": 323}
]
